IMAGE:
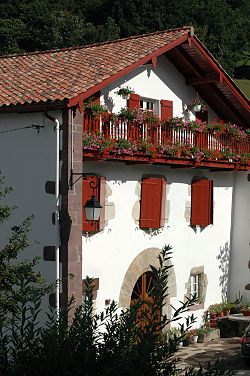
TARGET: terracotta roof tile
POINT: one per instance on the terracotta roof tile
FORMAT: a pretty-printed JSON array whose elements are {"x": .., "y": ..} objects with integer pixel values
[{"x": 64, "y": 74}]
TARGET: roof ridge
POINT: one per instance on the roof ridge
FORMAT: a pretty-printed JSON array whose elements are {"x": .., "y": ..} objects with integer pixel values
[{"x": 95, "y": 44}]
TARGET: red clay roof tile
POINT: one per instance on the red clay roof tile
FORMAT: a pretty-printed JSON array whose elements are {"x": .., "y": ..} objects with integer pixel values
[{"x": 64, "y": 74}]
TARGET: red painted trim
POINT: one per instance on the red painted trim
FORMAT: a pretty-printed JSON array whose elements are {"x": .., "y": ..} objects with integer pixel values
[
  {"x": 223, "y": 77},
  {"x": 179, "y": 162},
  {"x": 154, "y": 61},
  {"x": 74, "y": 101}
]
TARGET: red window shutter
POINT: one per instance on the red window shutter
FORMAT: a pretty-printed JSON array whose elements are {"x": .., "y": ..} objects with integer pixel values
[
  {"x": 100, "y": 193},
  {"x": 153, "y": 200},
  {"x": 202, "y": 202},
  {"x": 202, "y": 116},
  {"x": 134, "y": 101},
  {"x": 166, "y": 109}
]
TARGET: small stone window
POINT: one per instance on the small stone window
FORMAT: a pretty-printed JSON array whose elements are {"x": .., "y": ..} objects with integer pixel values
[{"x": 196, "y": 285}]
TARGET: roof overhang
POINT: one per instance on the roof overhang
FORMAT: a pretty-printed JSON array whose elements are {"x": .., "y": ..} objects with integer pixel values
[
  {"x": 35, "y": 107},
  {"x": 201, "y": 71},
  {"x": 187, "y": 54},
  {"x": 210, "y": 80},
  {"x": 78, "y": 100}
]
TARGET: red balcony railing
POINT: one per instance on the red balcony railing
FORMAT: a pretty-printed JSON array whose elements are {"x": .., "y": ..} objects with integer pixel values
[{"x": 164, "y": 134}]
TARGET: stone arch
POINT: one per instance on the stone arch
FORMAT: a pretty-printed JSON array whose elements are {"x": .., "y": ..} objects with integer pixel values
[{"x": 140, "y": 265}]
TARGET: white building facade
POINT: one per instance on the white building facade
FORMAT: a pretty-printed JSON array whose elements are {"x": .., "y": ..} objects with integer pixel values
[{"x": 211, "y": 259}]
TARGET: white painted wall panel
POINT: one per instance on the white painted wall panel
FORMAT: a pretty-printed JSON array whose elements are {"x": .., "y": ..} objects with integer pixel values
[
  {"x": 163, "y": 82},
  {"x": 239, "y": 270},
  {"x": 27, "y": 160},
  {"x": 107, "y": 255}
]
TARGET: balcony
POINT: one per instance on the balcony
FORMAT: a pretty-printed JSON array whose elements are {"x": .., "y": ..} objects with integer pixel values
[{"x": 176, "y": 143}]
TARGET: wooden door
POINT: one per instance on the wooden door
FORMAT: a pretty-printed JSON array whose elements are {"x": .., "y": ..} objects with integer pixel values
[{"x": 143, "y": 289}]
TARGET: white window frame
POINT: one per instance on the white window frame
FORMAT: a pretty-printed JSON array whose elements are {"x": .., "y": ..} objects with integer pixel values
[
  {"x": 194, "y": 285},
  {"x": 156, "y": 104}
]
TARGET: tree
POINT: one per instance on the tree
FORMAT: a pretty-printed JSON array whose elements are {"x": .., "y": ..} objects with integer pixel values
[
  {"x": 18, "y": 280},
  {"x": 223, "y": 26}
]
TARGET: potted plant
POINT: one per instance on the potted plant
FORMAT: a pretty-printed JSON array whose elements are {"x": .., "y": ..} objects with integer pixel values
[
  {"x": 220, "y": 309},
  {"x": 187, "y": 339},
  {"x": 208, "y": 333},
  {"x": 194, "y": 336},
  {"x": 226, "y": 307},
  {"x": 124, "y": 92},
  {"x": 212, "y": 310},
  {"x": 198, "y": 105},
  {"x": 245, "y": 309}
]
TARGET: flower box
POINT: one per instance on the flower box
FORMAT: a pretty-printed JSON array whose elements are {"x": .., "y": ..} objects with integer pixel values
[{"x": 209, "y": 336}]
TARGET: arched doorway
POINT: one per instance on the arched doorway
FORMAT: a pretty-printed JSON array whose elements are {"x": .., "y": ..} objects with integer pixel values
[
  {"x": 142, "y": 290},
  {"x": 139, "y": 265},
  {"x": 143, "y": 287}
]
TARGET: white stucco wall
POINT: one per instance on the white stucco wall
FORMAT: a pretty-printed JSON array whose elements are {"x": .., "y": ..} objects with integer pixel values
[
  {"x": 27, "y": 160},
  {"x": 240, "y": 256},
  {"x": 163, "y": 82},
  {"x": 107, "y": 255}
]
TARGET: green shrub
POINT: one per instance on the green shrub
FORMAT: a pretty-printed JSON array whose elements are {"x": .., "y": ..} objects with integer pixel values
[{"x": 96, "y": 343}]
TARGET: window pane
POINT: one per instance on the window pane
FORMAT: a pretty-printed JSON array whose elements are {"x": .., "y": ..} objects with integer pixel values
[
  {"x": 150, "y": 106},
  {"x": 194, "y": 285}
]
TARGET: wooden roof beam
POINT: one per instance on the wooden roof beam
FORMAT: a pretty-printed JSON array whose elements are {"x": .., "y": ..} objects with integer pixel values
[
  {"x": 224, "y": 76},
  {"x": 181, "y": 55},
  {"x": 230, "y": 105},
  {"x": 214, "y": 77},
  {"x": 220, "y": 104}
]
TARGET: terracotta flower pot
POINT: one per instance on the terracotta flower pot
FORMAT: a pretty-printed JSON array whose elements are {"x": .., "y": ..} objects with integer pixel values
[
  {"x": 246, "y": 313},
  {"x": 221, "y": 314},
  {"x": 226, "y": 312}
]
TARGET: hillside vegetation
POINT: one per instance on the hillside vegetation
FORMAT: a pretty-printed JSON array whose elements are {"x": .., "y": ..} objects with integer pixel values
[
  {"x": 244, "y": 85},
  {"x": 29, "y": 25}
]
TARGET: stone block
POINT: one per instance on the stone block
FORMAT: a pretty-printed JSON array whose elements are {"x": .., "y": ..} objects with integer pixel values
[
  {"x": 136, "y": 211},
  {"x": 109, "y": 212},
  {"x": 167, "y": 210},
  {"x": 209, "y": 336}
]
